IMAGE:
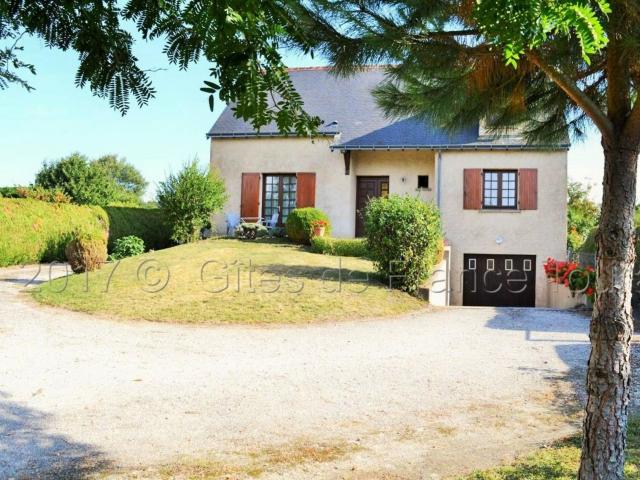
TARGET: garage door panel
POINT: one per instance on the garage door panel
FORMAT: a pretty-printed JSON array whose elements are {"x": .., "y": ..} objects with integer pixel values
[{"x": 499, "y": 280}]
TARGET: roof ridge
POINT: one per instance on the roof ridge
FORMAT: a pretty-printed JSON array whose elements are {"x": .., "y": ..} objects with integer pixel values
[
  {"x": 304, "y": 69},
  {"x": 363, "y": 68}
]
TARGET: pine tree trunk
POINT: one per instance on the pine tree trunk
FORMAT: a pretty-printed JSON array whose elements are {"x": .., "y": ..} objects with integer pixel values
[{"x": 605, "y": 423}]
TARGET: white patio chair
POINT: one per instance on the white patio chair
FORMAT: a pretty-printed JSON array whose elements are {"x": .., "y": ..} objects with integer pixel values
[
  {"x": 272, "y": 223},
  {"x": 233, "y": 220}
]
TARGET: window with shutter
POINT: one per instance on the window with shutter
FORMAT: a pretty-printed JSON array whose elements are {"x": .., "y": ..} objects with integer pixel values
[
  {"x": 279, "y": 196},
  {"x": 499, "y": 189}
]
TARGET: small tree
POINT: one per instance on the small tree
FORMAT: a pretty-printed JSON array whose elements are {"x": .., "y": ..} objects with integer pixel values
[
  {"x": 404, "y": 239},
  {"x": 582, "y": 215},
  {"x": 128, "y": 178},
  {"x": 189, "y": 199}
]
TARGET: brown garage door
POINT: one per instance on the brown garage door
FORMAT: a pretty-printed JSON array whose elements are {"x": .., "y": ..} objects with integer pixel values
[{"x": 499, "y": 280}]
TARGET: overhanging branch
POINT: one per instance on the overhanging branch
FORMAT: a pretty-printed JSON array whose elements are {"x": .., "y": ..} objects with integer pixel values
[{"x": 580, "y": 98}]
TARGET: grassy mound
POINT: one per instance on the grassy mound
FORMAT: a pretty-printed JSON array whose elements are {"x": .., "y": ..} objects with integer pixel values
[{"x": 231, "y": 281}]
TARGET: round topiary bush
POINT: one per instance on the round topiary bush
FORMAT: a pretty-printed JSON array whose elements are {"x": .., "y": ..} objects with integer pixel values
[
  {"x": 86, "y": 252},
  {"x": 128, "y": 246},
  {"x": 299, "y": 226},
  {"x": 404, "y": 239}
]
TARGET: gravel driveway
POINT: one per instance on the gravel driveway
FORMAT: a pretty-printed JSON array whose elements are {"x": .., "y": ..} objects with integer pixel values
[{"x": 422, "y": 396}]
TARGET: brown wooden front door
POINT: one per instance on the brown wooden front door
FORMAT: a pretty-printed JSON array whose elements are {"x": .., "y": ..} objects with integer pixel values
[{"x": 367, "y": 188}]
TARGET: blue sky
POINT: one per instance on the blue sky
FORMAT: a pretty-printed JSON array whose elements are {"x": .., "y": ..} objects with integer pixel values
[{"x": 58, "y": 118}]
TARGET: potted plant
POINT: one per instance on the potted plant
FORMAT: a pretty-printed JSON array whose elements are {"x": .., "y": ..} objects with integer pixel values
[{"x": 318, "y": 227}]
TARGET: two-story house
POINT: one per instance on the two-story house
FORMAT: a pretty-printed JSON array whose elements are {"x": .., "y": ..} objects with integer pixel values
[{"x": 503, "y": 202}]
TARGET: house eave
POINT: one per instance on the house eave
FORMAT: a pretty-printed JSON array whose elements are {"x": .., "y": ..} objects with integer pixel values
[
  {"x": 266, "y": 134},
  {"x": 346, "y": 147}
]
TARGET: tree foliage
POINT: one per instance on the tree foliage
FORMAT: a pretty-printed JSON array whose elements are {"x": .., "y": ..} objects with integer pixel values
[
  {"x": 189, "y": 198},
  {"x": 126, "y": 176},
  {"x": 105, "y": 181},
  {"x": 240, "y": 38},
  {"x": 582, "y": 215},
  {"x": 517, "y": 26}
]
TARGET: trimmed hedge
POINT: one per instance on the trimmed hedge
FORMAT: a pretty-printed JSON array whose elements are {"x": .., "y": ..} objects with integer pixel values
[
  {"x": 147, "y": 223},
  {"x": 340, "y": 247},
  {"x": 299, "y": 220},
  {"x": 33, "y": 231}
]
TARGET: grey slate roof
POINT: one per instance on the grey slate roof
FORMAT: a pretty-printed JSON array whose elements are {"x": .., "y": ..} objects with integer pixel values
[{"x": 347, "y": 108}]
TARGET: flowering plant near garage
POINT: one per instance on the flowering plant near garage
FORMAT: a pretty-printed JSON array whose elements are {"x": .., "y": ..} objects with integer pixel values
[{"x": 573, "y": 276}]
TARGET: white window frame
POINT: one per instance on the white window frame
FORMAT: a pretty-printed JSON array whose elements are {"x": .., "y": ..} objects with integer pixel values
[
  {"x": 526, "y": 265},
  {"x": 491, "y": 264},
  {"x": 508, "y": 264},
  {"x": 472, "y": 264}
]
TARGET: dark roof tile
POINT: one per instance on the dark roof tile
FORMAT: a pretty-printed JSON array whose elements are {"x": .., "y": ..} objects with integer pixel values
[{"x": 346, "y": 106}]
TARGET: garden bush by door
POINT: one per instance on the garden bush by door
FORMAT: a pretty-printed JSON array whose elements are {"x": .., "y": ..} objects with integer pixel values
[{"x": 499, "y": 280}]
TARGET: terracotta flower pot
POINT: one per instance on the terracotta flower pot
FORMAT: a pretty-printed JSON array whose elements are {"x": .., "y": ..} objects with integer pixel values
[{"x": 318, "y": 231}]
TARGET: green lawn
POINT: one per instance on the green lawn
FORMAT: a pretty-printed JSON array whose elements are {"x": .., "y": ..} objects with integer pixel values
[
  {"x": 561, "y": 460},
  {"x": 210, "y": 282}
]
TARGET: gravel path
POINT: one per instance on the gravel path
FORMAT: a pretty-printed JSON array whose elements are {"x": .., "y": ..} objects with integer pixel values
[{"x": 423, "y": 396}]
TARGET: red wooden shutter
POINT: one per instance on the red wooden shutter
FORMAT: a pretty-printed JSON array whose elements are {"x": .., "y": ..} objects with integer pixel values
[
  {"x": 250, "y": 196},
  {"x": 472, "y": 189},
  {"x": 306, "y": 190},
  {"x": 528, "y": 188}
]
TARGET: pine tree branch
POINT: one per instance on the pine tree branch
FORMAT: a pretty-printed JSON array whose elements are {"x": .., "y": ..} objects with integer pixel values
[{"x": 575, "y": 94}]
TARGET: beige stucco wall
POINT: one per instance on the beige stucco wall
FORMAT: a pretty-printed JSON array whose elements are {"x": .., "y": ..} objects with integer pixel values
[
  {"x": 401, "y": 166},
  {"x": 335, "y": 191},
  {"x": 540, "y": 232}
]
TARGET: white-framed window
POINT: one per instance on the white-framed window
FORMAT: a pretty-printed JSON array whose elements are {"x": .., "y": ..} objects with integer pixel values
[
  {"x": 508, "y": 264},
  {"x": 472, "y": 264},
  {"x": 526, "y": 264},
  {"x": 491, "y": 264},
  {"x": 500, "y": 189}
]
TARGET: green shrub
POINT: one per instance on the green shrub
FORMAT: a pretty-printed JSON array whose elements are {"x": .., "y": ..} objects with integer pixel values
[
  {"x": 342, "y": 247},
  {"x": 189, "y": 199},
  {"x": 251, "y": 231},
  {"x": 129, "y": 246},
  {"x": 9, "y": 192},
  {"x": 147, "y": 223},
  {"x": 86, "y": 251},
  {"x": 299, "y": 221},
  {"x": 404, "y": 239},
  {"x": 32, "y": 231}
]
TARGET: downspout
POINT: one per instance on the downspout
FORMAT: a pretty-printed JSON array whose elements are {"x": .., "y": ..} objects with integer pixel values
[{"x": 438, "y": 175}]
